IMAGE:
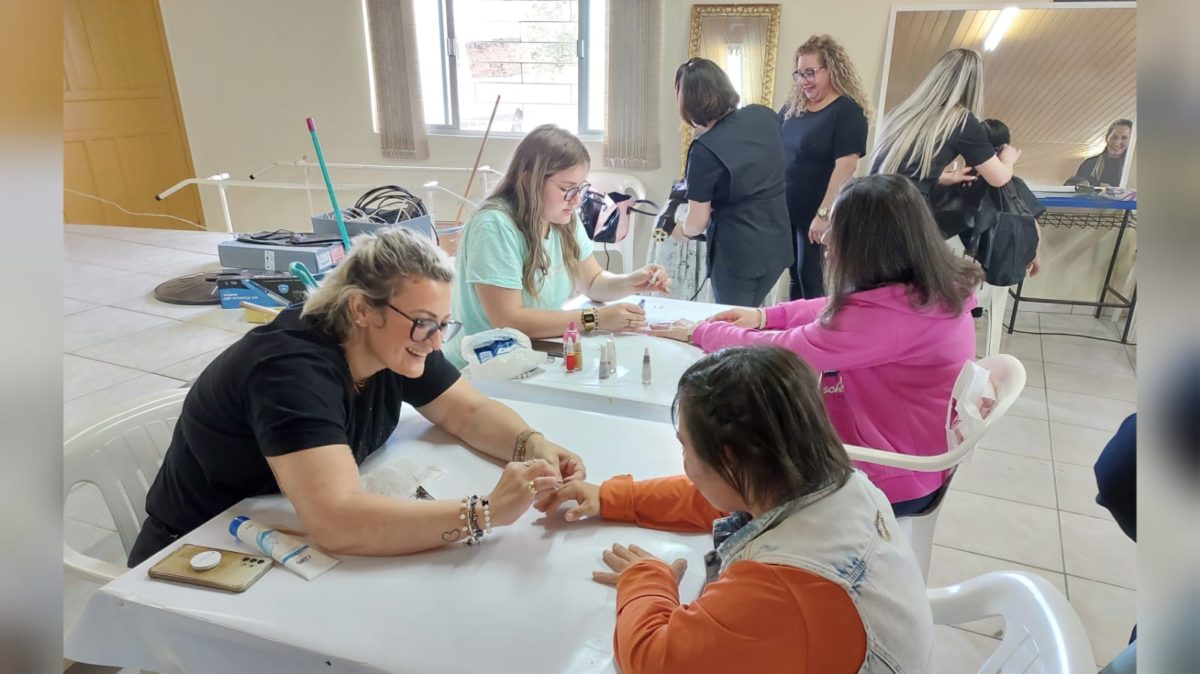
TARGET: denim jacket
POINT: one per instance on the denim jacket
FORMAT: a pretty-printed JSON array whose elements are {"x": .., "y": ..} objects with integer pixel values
[{"x": 848, "y": 536}]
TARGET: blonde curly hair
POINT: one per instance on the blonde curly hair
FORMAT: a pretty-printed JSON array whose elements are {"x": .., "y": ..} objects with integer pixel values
[{"x": 842, "y": 74}]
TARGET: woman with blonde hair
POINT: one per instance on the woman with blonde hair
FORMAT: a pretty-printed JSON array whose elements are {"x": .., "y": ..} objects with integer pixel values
[
  {"x": 939, "y": 122},
  {"x": 525, "y": 251},
  {"x": 295, "y": 406},
  {"x": 1106, "y": 168},
  {"x": 824, "y": 135}
]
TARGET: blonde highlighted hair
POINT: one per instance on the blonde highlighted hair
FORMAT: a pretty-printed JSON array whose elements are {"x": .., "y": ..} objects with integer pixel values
[
  {"x": 375, "y": 267},
  {"x": 919, "y": 127},
  {"x": 1098, "y": 168},
  {"x": 543, "y": 152},
  {"x": 842, "y": 75}
]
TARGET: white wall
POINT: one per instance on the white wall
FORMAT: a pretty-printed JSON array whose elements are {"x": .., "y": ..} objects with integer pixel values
[{"x": 249, "y": 72}]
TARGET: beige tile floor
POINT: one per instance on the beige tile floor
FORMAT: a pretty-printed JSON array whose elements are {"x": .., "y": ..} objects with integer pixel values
[{"x": 1026, "y": 500}]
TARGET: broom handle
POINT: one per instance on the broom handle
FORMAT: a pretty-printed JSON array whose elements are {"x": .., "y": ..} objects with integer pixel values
[{"x": 478, "y": 156}]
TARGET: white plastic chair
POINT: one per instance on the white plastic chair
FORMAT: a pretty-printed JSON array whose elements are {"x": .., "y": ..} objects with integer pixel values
[
  {"x": 1042, "y": 632},
  {"x": 625, "y": 184},
  {"x": 120, "y": 455},
  {"x": 1007, "y": 375}
]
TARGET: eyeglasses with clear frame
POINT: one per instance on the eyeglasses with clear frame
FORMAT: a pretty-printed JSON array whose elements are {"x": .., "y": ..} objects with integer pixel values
[{"x": 806, "y": 74}]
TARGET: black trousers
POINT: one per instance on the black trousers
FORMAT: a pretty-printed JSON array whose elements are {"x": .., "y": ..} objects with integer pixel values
[
  {"x": 806, "y": 275},
  {"x": 153, "y": 537},
  {"x": 741, "y": 292}
]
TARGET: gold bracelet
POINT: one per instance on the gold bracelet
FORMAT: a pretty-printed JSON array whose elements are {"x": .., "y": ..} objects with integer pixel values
[
  {"x": 522, "y": 443},
  {"x": 762, "y": 318},
  {"x": 691, "y": 331}
]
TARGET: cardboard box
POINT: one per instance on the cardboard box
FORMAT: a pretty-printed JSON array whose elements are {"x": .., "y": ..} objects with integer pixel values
[
  {"x": 241, "y": 255},
  {"x": 266, "y": 289}
]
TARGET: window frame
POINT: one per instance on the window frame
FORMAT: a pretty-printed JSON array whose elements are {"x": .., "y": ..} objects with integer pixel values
[{"x": 449, "y": 55}]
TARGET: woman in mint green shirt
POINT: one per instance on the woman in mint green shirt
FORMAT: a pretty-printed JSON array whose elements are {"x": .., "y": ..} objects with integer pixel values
[{"x": 524, "y": 252}]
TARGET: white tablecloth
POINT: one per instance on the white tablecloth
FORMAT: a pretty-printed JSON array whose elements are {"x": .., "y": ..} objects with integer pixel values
[
  {"x": 523, "y": 601},
  {"x": 623, "y": 393}
]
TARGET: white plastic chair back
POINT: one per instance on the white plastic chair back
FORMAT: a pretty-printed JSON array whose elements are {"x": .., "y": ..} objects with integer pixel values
[
  {"x": 1007, "y": 375},
  {"x": 625, "y": 184},
  {"x": 120, "y": 454},
  {"x": 1042, "y": 632}
]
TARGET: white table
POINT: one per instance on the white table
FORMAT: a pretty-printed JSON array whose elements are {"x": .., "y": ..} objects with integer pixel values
[
  {"x": 523, "y": 601},
  {"x": 623, "y": 393}
]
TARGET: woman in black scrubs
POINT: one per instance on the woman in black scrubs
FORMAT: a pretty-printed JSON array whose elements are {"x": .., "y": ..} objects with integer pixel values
[
  {"x": 824, "y": 135},
  {"x": 735, "y": 186}
]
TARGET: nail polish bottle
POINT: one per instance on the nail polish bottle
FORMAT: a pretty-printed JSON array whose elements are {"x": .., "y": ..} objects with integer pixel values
[{"x": 646, "y": 378}]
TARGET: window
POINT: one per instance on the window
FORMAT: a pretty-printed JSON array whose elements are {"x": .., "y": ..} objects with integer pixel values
[{"x": 545, "y": 59}]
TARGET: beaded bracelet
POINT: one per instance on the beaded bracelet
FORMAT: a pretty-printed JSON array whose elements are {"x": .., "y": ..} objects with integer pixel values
[
  {"x": 462, "y": 517},
  {"x": 487, "y": 515},
  {"x": 473, "y": 519}
]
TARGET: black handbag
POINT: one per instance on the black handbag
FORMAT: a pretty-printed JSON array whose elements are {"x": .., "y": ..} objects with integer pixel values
[
  {"x": 605, "y": 218},
  {"x": 1005, "y": 234},
  {"x": 664, "y": 225}
]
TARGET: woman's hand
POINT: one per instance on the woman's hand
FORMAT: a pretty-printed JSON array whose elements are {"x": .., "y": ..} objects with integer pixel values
[
  {"x": 817, "y": 229},
  {"x": 585, "y": 494},
  {"x": 956, "y": 175},
  {"x": 1035, "y": 266},
  {"x": 519, "y": 485},
  {"x": 678, "y": 330},
  {"x": 568, "y": 464},
  {"x": 620, "y": 317},
  {"x": 739, "y": 316},
  {"x": 621, "y": 558},
  {"x": 651, "y": 278}
]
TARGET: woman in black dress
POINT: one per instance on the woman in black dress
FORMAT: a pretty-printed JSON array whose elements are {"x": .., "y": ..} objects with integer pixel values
[
  {"x": 735, "y": 187},
  {"x": 824, "y": 134}
]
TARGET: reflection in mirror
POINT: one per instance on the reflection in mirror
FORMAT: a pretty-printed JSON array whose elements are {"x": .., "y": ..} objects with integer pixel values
[
  {"x": 1058, "y": 77},
  {"x": 743, "y": 40}
]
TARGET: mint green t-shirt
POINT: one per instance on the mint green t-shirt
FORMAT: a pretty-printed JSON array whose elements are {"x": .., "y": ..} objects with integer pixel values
[{"x": 493, "y": 253}]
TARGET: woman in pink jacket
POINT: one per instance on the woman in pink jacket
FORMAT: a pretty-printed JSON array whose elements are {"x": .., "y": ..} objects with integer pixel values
[{"x": 889, "y": 340}]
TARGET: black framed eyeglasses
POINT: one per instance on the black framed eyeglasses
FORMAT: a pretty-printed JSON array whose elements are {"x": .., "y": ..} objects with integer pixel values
[
  {"x": 806, "y": 74},
  {"x": 569, "y": 193},
  {"x": 423, "y": 328}
]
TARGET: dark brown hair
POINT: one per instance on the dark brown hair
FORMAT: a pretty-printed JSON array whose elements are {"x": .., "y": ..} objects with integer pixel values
[
  {"x": 755, "y": 414},
  {"x": 882, "y": 232},
  {"x": 705, "y": 92}
]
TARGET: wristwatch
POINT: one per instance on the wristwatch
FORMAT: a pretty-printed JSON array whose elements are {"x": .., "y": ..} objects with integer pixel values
[
  {"x": 823, "y": 213},
  {"x": 589, "y": 319}
]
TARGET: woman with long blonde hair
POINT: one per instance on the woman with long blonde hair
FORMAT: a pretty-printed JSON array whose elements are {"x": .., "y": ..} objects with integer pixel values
[
  {"x": 938, "y": 122},
  {"x": 1106, "y": 168},
  {"x": 824, "y": 135},
  {"x": 525, "y": 251}
]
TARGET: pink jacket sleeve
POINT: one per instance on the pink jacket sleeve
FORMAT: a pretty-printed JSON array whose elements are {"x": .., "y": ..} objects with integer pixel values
[{"x": 862, "y": 337}]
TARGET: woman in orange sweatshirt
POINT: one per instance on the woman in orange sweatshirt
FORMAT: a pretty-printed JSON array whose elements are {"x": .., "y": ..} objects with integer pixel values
[{"x": 810, "y": 573}]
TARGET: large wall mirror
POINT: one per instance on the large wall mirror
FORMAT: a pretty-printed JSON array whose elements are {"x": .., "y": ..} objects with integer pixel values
[
  {"x": 743, "y": 40},
  {"x": 1057, "y": 74}
]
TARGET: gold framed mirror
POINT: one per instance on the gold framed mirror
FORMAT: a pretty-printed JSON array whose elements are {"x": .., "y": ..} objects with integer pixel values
[{"x": 743, "y": 40}]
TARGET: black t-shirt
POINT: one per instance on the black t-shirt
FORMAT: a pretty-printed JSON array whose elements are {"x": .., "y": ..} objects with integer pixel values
[
  {"x": 969, "y": 140},
  {"x": 1110, "y": 175},
  {"x": 812, "y": 143},
  {"x": 737, "y": 166},
  {"x": 283, "y": 387}
]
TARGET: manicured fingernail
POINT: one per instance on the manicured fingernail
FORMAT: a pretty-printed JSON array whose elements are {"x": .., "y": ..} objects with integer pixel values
[{"x": 570, "y": 517}]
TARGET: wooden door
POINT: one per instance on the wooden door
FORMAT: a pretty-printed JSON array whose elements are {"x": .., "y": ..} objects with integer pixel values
[{"x": 123, "y": 133}]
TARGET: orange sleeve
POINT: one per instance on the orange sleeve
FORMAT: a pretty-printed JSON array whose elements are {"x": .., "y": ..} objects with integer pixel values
[
  {"x": 665, "y": 503},
  {"x": 755, "y": 618}
]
